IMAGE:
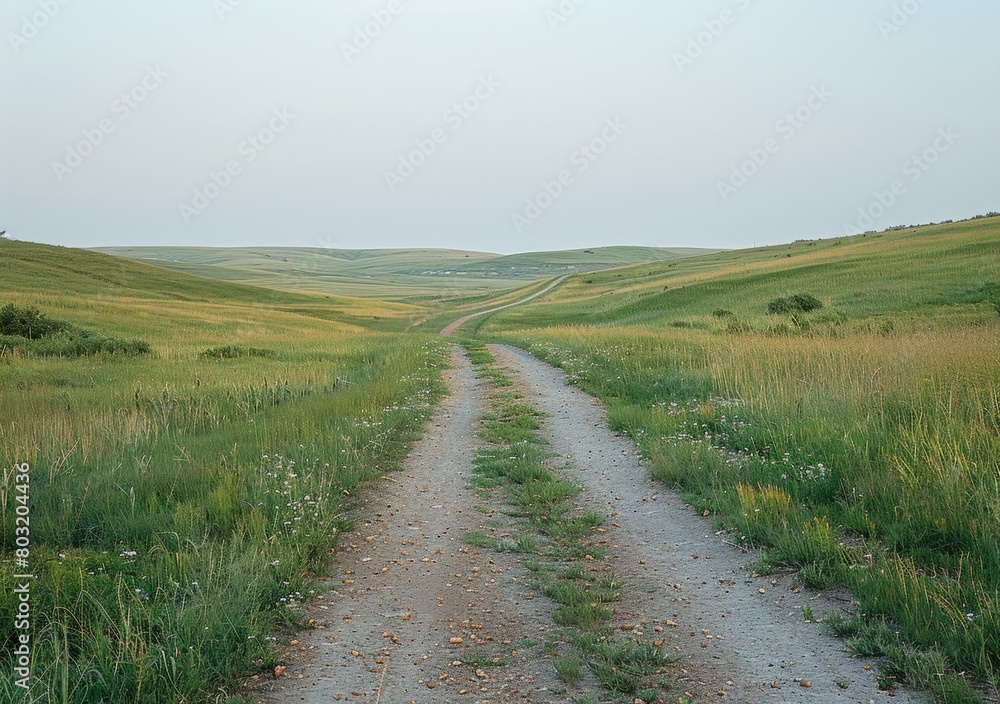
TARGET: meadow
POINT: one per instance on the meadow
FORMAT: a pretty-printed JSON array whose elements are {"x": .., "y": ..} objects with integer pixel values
[
  {"x": 857, "y": 443},
  {"x": 183, "y": 500}
]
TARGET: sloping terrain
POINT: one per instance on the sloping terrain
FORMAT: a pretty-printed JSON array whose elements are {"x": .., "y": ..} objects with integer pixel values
[
  {"x": 834, "y": 403},
  {"x": 389, "y": 274}
]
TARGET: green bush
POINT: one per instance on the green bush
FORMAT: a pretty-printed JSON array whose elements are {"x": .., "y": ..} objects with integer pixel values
[
  {"x": 30, "y": 331},
  {"x": 723, "y": 313},
  {"x": 235, "y": 352},
  {"x": 28, "y": 323},
  {"x": 799, "y": 303}
]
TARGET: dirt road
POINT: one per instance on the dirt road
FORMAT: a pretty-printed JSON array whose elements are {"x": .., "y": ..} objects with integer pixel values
[
  {"x": 415, "y": 615},
  {"x": 736, "y": 632},
  {"x": 452, "y": 327}
]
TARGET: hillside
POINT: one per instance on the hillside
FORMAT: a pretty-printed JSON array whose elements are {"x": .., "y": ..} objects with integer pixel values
[
  {"x": 82, "y": 282},
  {"x": 388, "y": 274},
  {"x": 833, "y": 404},
  {"x": 923, "y": 272},
  {"x": 156, "y": 411}
]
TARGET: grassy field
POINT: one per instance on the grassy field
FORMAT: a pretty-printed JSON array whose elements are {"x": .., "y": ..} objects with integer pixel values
[
  {"x": 858, "y": 442},
  {"x": 188, "y": 481},
  {"x": 404, "y": 275},
  {"x": 181, "y": 500}
]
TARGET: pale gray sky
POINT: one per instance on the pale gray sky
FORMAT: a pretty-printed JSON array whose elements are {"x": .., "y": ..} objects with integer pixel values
[{"x": 668, "y": 98}]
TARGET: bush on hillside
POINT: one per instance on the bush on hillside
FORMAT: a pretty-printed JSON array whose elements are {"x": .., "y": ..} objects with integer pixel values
[
  {"x": 30, "y": 331},
  {"x": 236, "y": 352},
  {"x": 991, "y": 294},
  {"x": 987, "y": 293},
  {"x": 28, "y": 323},
  {"x": 799, "y": 303}
]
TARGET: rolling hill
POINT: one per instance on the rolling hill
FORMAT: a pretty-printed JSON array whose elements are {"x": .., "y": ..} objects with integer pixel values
[
  {"x": 389, "y": 274},
  {"x": 92, "y": 287}
]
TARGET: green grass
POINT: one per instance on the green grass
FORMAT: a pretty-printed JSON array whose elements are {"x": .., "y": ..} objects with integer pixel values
[
  {"x": 858, "y": 442},
  {"x": 561, "y": 540},
  {"x": 569, "y": 668},
  {"x": 27, "y": 331},
  {"x": 88, "y": 289},
  {"x": 183, "y": 501}
]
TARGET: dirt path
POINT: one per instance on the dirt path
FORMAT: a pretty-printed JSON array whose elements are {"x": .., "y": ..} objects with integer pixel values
[
  {"x": 406, "y": 589},
  {"x": 415, "y": 615},
  {"x": 736, "y": 632},
  {"x": 451, "y": 328}
]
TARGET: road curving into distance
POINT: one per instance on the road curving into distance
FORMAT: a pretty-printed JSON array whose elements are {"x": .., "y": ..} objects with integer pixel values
[{"x": 452, "y": 327}]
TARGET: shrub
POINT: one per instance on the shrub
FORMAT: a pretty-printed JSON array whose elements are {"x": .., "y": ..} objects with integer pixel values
[
  {"x": 991, "y": 294},
  {"x": 30, "y": 331},
  {"x": 736, "y": 327},
  {"x": 28, "y": 323},
  {"x": 235, "y": 352},
  {"x": 723, "y": 313},
  {"x": 799, "y": 303}
]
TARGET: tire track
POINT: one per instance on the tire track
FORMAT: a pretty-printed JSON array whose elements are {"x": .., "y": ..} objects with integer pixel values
[
  {"x": 452, "y": 327},
  {"x": 741, "y": 636},
  {"x": 412, "y": 608}
]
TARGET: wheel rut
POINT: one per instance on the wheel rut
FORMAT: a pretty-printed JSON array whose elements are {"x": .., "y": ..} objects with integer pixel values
[
  {"x": 740, "y": 635},
  {"x": 412, "y": 609},
  {"x": 413, "y": 614}
]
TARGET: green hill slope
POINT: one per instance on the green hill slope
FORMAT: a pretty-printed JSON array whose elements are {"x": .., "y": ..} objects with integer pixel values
[
  {"x": 83, "y": 280},
  {"x": 917, "y": 272},
  {"x": 396, "y": 274}
]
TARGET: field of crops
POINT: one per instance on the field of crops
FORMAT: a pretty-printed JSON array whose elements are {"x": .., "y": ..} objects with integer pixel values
[{"x": 834, "y": 403}]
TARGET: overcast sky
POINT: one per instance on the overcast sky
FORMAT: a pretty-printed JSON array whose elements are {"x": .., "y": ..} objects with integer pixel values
[{"x": 494, "y": 125}]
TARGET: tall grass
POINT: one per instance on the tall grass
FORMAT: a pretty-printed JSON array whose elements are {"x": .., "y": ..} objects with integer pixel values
[
  {"x": 860, "y": 442},
  {"x": 183, "y": 502}
]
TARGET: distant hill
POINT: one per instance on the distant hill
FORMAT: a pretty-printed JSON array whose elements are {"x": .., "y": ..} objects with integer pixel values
[
  {"x": 389, "y": 273},
  {"x": 82, "y": 281},
  {"x": 938, "y": 270}
]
